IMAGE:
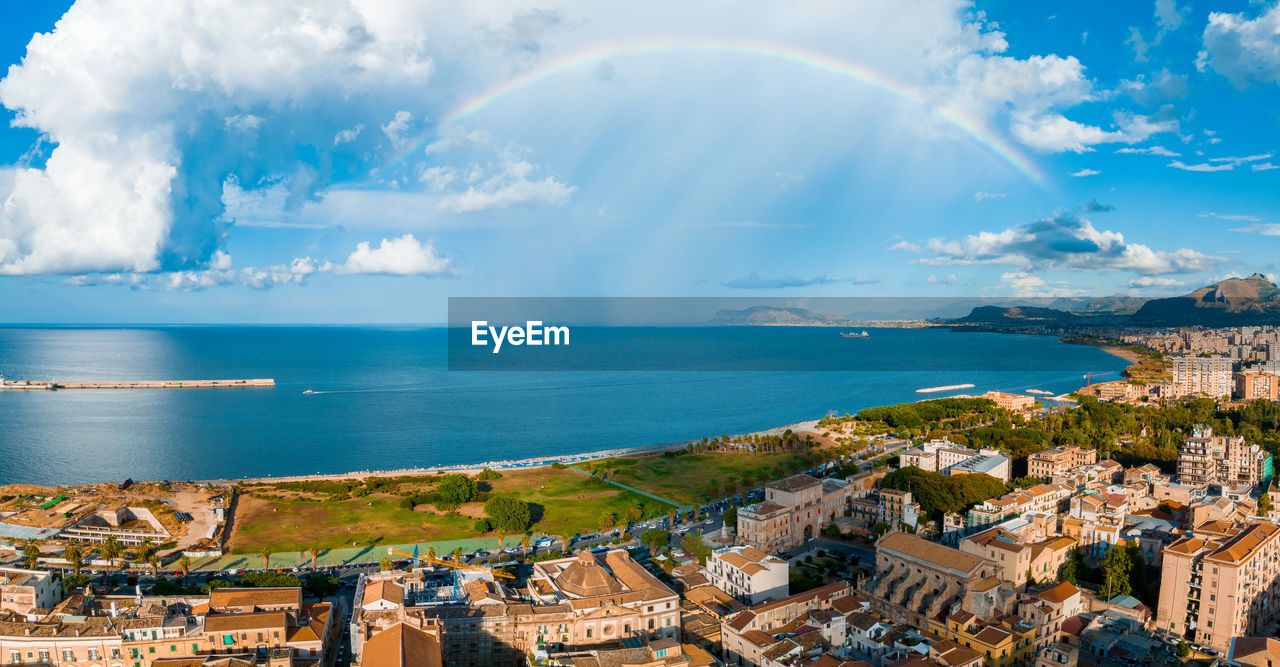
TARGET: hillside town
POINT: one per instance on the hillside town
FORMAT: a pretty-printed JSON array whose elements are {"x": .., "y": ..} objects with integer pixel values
[{"x": 993, "y": 530}]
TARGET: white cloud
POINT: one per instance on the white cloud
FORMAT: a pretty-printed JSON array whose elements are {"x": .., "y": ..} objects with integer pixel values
[
  {"x": 1063, "y": 241},
  {"x": 1261, "y": 228},
  {"x": 1234, "y": 217},
  {"x": 1246, "y": 51},
  {"x": 508, "y": 182},
  {"x": 983, "y": 196},
  {"x": 1023, "y": 283},
  {"x": 149, "y": 105},
  {"x": 1155, "y": 281},
  {"x": 1149, "y": 150},
  {"x": 348, "y": 135},
  {"x": 1168, "y": 16},
  {"x": 397, "y": 127},
  {"x": 1226, "y": 163},
  {"x": 1263, "y": 166},
  {"x": 948, "y": 279},
  {"x": 906, "y": 246},
  {"x": 1085, "y": 172},
  {"x": 403, "y": 256}
]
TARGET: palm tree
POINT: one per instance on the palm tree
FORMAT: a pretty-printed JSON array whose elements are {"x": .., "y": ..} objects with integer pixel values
[
  {"x": 145, "y": 549},
  {"x": 185, "y": 564},
  {"x": 314, "y": 550},
  {"x": 634, "y": 514},
  {"x": 154, "y": 561},
  {"x": 606, "y": 522},
  {"x": 266, "y": 557},
  {"x": 31, "y": 553},
  {"x": 75, "y": 556},
  {"x": 524, "y": 542},
  {"x": 457, "y": 554},
  {"x": 111, "y": 550},
  {"x": 431, "y": 552},
  {"x": 501, "y": 534}
]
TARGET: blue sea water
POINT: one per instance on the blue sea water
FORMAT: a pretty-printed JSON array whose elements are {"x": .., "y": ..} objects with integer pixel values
[{"x": 385, "y": 399}]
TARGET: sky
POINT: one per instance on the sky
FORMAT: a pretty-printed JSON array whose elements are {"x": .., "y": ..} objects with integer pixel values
[{"x": 360, "y": 162}]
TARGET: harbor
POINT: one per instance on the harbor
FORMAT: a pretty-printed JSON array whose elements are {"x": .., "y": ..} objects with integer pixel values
[{"x": 133, "y": 384}]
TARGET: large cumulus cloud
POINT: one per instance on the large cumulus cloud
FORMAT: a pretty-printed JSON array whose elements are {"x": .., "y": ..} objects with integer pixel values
[{"x": 153, "y": 106}]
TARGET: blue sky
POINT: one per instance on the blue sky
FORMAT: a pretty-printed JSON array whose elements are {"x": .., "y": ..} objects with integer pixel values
[{"x": 361, "y": 162}]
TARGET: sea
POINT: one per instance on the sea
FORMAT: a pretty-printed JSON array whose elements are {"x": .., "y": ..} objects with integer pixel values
[{"x": 384, "y": 397}]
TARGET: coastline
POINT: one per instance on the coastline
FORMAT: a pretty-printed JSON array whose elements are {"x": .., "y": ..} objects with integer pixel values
[{"x": 809, "y": 426}]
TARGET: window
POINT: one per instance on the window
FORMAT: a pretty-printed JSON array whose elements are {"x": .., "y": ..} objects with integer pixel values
[
  {"x": 151, "y": 649},
  {"x": 68, "y": 656},
  {"x": 588, "y": 633},
  {"x": 44, "y": 656},
  {"x": 15, "y": 657},
  {"x": 651, "y": 624},
  {"x": 195, "y": 648},
  {"x": 93, "y": 654}
]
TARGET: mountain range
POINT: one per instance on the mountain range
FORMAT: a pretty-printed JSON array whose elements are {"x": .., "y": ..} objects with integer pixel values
[{"x": 1232, "y": 302}]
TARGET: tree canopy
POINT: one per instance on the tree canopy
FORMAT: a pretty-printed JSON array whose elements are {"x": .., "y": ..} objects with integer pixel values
[
  {"x": 508, "y": 513},
  {"x": 456, "y": 489}
]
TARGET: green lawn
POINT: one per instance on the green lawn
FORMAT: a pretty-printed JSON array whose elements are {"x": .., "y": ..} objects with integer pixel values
[
  {"x": 694, "y": 479},
  {"x": 563, "y": 502}
]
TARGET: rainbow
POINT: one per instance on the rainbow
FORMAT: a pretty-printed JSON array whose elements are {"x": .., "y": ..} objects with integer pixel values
[{"x": 972, "y": 128}]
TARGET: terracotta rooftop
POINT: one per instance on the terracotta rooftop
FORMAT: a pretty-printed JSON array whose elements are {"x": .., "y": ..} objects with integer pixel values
[
  {"x": 929, "y": 552},
  {"x": 1058, "y": 592},
  {"x": 401, "y": 646}
]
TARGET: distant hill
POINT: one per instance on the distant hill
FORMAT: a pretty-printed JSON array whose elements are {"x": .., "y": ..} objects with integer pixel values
[
  {"x": 1231, "y": 302},
  {"x": 1234, "y": 301},
  {"x": 770, "y": 315},
  {"x": 1018, "y": 316}
]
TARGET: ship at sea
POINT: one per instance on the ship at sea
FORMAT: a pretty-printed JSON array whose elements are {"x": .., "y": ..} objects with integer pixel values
[{"x": 863, "y": 334}]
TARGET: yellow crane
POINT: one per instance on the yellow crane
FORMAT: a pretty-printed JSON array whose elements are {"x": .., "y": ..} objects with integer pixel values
[{"x": 452, "y": 564}]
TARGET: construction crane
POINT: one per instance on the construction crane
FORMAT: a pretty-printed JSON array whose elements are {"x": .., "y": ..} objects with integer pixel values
[
  {"x": 454, "y": 565},
  {"x": 1088, "y": 377}
]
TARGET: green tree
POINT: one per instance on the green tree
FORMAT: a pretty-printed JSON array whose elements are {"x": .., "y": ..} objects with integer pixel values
[
  {"x": 456, "y": 489},
  {"x": 75, "y": 556},
  {"x": 731, "y": 516},
  {"x": 265, "y": 553},
  {"x": 146, "y": 548},
  {"x": 154, "y": 561},
  {"x": 31, "y": 553},
  {"x": 508, "y": 513},
  {"x": 314, "y": 550},
  {"x": 111, "y": 549},
  {"x": 385, "y": 564},
  {"x": 655, "y": 539},
  {"x": 185, "y": 564},
  {"x": 1264, "y": 504},
  {"x": 1115, "y": 572},
  {"x": 694, "y": 545}
]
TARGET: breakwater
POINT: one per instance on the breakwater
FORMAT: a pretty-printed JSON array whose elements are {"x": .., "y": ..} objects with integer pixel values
[{"x": 136, "y": 384}]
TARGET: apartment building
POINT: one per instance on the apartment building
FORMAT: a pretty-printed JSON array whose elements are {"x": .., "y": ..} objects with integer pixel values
[
  {"x": 1202, "y": 376},
  {"x": 1018, "y": 560},
  {"x": 24, "y": 590},
  {"x": 580, "y": 602},
  {"x": 1041, "y": 498},
  {"x": 402, "y": 645},
  {"x": 935, "y": 455},
  {"x": 271, "y": 623},
  {"x": 897, "y": 508},
  {"x": 1205, "y": 458},
  {"x": 1005, "y": 643},
  {"x": 793, "y": 512},
  {"x": 1251, "y": 386},
  {"x": 748, "y": 574},
  {"x": 751, "y": 635},
  {"x": 1047, "y": 609},
  {"x": 1221, "y": 583},
  {"x": 1045, "y": 464}
]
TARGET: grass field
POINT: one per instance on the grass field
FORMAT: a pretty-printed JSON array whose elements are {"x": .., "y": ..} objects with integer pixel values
[
  {"x": 693, "y": 479},
  {"x": 563, "y": 503}
]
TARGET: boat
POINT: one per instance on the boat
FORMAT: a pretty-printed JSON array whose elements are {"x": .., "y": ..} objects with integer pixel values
[
  {"x": 308, "y": 392},
  {"x": 864, "y": 334}
]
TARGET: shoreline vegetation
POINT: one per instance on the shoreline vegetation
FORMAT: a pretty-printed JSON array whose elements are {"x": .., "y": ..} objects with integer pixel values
[{"x": 1145, "y": 365}]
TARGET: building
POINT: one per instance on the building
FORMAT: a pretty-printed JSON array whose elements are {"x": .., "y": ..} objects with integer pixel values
[
  {"x": 401, "y": 645},
  {"x": 1224, "y": 459},
  {"x": 577, "y": 603},
  {"x": 1019, "y": 561},
  {"x": 1039, "y": 499},
  {"x": 916, "y": 580},
  {"x": 1202, "y": 376},
  {"x": 1254, "y": 652},
  {"x": 748, "y": 574},
  {"x": 897, "y": 508},
  {"x": 1221, "y": 584},
  {"x": 1012, "y": 402},
  {"x": 935, "y": 455},
  {"x": 988, "y": 462},
  {"x": 268, "y": 621},
  {"x": 1253, "y": 386},
  {"x": 1005, "y": 644},
  {"x": 21, "y": 591},
  {"x": 793, "y": 512},
  {"x": 758, "y": 634},
  {"x": 1045, "y": 464}
]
